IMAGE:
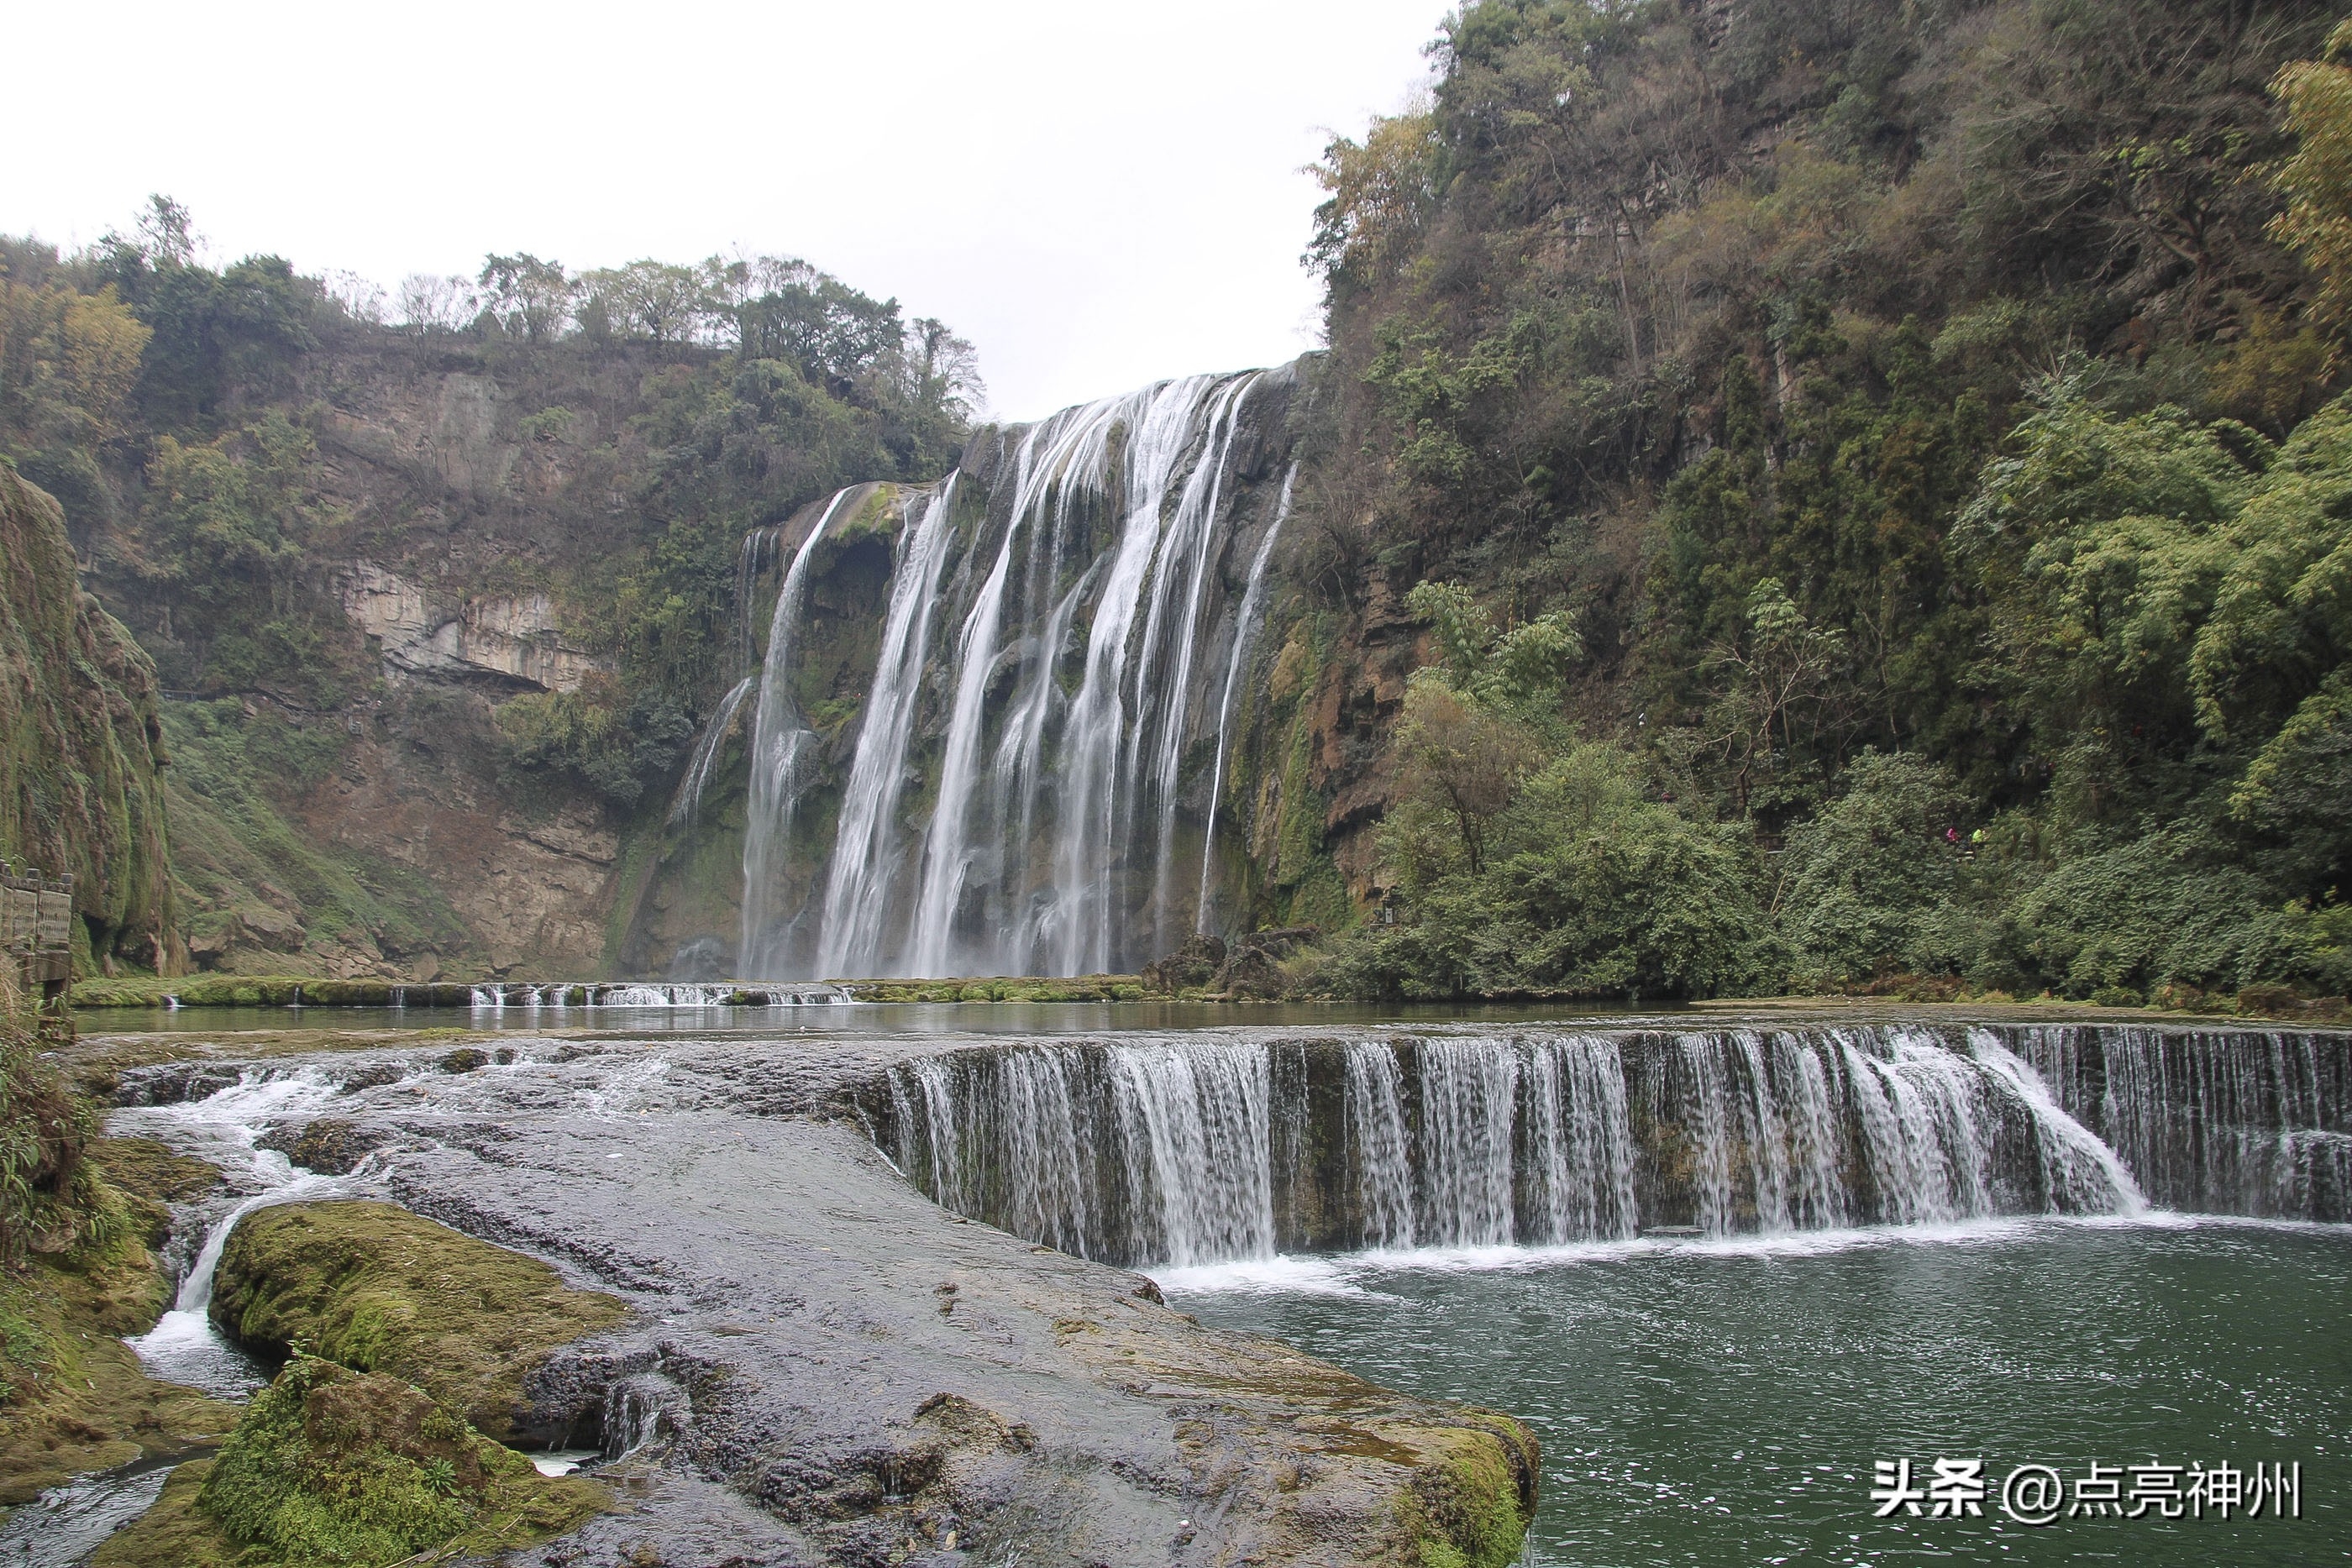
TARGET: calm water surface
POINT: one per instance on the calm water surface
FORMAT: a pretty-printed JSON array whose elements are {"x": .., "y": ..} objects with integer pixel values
[{"x": 1723, "y": 1404}]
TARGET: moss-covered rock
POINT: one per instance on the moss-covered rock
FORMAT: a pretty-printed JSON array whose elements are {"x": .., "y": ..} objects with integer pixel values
[
  {"x": 333, "y": 1465},
  {"x": 73, "y": 1396},
  {"x": 1073, "y": 988},
  {"x": 81, "y": 742},
  {"x": 152, "y": 1170},
  {"x": 266, "y": 991},
  {"x": 378, "y": 1289},
  {"x": 1474, "y": 1494}
]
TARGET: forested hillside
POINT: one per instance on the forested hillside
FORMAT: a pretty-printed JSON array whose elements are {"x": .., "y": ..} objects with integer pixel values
[
  {"x": 439, "y": 588},
  {"x": 1874, "y": 482}
]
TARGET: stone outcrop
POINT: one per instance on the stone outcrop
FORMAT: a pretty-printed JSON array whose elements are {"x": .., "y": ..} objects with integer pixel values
[
  {"x": 1191, "y": 966},
  {"x": 1253, "y": 967},
  {"x": 515, "y": 641}
]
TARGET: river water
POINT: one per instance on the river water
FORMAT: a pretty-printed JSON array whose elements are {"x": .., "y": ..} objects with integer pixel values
[{"x": 1725, "y": 1402}]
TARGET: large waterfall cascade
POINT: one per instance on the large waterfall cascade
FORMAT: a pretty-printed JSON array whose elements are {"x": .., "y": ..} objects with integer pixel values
[
  {"x": 1033, "y": 784},
  {"x": 1214, "y": 1148}
]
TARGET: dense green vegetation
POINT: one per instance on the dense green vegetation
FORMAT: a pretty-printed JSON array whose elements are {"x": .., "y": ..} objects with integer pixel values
[
  {"x": 1919, "y": 428},
  {"x": 78, "y": 1216}
]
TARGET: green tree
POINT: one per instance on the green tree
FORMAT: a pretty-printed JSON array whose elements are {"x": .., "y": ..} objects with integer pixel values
[
  {"x": 2318, "y": 180},
  {"x": 531, "y": 299},
  {"x": 1875, "y": 882}
]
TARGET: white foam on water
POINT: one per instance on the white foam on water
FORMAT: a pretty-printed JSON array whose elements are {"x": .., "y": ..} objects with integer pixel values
[
  {"x": 1354, "y": 1273},
  {"x": 1282, "y": 1275},
  {"x": 184, "y": 1347}
]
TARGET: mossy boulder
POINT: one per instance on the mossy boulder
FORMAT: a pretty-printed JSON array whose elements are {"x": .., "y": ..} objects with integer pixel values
[
  {"x": 1190, "y": 967},
  {"x": 356, "y": 1470},
  {"x": 1073, "y": 988},
  {"x": 327, "y": 1144},
  {"x": 378, "y": 1289}
]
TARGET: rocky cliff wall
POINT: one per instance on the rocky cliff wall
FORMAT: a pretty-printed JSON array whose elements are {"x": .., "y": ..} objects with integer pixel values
[
  {"x": 81, "y": 743},
  {"x": 372, "y": 822}
]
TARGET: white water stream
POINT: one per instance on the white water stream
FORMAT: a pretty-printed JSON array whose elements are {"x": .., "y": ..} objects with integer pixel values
[{"x": 183, "y": 1346}]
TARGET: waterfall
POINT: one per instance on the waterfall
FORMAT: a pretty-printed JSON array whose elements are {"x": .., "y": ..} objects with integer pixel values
[
  {"x": 779, "y": 738},
  {"x": 687, "y": 806},
  {"x": 1050, "y": 703},
  {"x": 1244, "y": 630},
  {"x": 749, "y": 561},
  {"x": 1375, "y": 1133},
  {"x": 1206, "y": 1149},
  {"x": 1469, "y": 1102},
  {"x": 857, "y": 889},
  {"x": 183, "y": 1346},
  {"x": 2240, "y": 1122}
]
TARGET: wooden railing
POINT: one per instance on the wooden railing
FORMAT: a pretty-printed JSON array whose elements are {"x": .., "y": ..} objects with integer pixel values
[{"x": 37, "y": 934}]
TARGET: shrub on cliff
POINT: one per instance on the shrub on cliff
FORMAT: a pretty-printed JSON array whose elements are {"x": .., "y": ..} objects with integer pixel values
[{"x": 1577, "y": 881}]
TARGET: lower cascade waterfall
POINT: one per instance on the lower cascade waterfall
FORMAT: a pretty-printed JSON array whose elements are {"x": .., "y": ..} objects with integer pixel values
[{"x": 1205, "y": 1150}]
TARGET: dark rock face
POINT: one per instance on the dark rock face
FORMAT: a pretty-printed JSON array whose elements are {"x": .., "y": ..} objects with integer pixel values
[
  {"x": 1193, "y": 964},
  {"x": 1255, "y": 965},
  {"x": 330, "y": 1145},
  {"x": 700, "y": 961}
]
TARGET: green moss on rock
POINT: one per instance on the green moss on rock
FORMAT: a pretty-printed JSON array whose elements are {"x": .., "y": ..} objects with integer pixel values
[
  {"x": 1075, "y": 988},
  {"x": 378, "y": 1289},
  {"x": 266, "y": 991},
  {"x": 81, "y": 743},
  {"x": 73, "y": 1396},
  {"x": 1473, "y": 1494},
  {"x": 334, "y": 1466}
]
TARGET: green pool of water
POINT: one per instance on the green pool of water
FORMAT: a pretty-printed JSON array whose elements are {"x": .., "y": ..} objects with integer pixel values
[{"x": 1705, "y": 1403}]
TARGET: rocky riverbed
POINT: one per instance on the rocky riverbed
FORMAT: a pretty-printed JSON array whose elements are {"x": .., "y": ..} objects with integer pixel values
[{"x": 819, "y": 1364}]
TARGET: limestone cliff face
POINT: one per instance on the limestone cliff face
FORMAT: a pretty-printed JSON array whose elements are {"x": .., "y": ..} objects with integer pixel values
[
  {"x": 379, "y": 832},
  {"x": 81, "y": 743}
]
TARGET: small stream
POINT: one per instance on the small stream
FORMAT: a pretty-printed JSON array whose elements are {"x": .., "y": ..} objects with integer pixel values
[
  {"x": 225, "y": 1126},
  {"x": 64, "y": 1524}
]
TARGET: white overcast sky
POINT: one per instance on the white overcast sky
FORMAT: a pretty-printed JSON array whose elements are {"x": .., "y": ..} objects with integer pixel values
[{"x": 1097, "y": 195}]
